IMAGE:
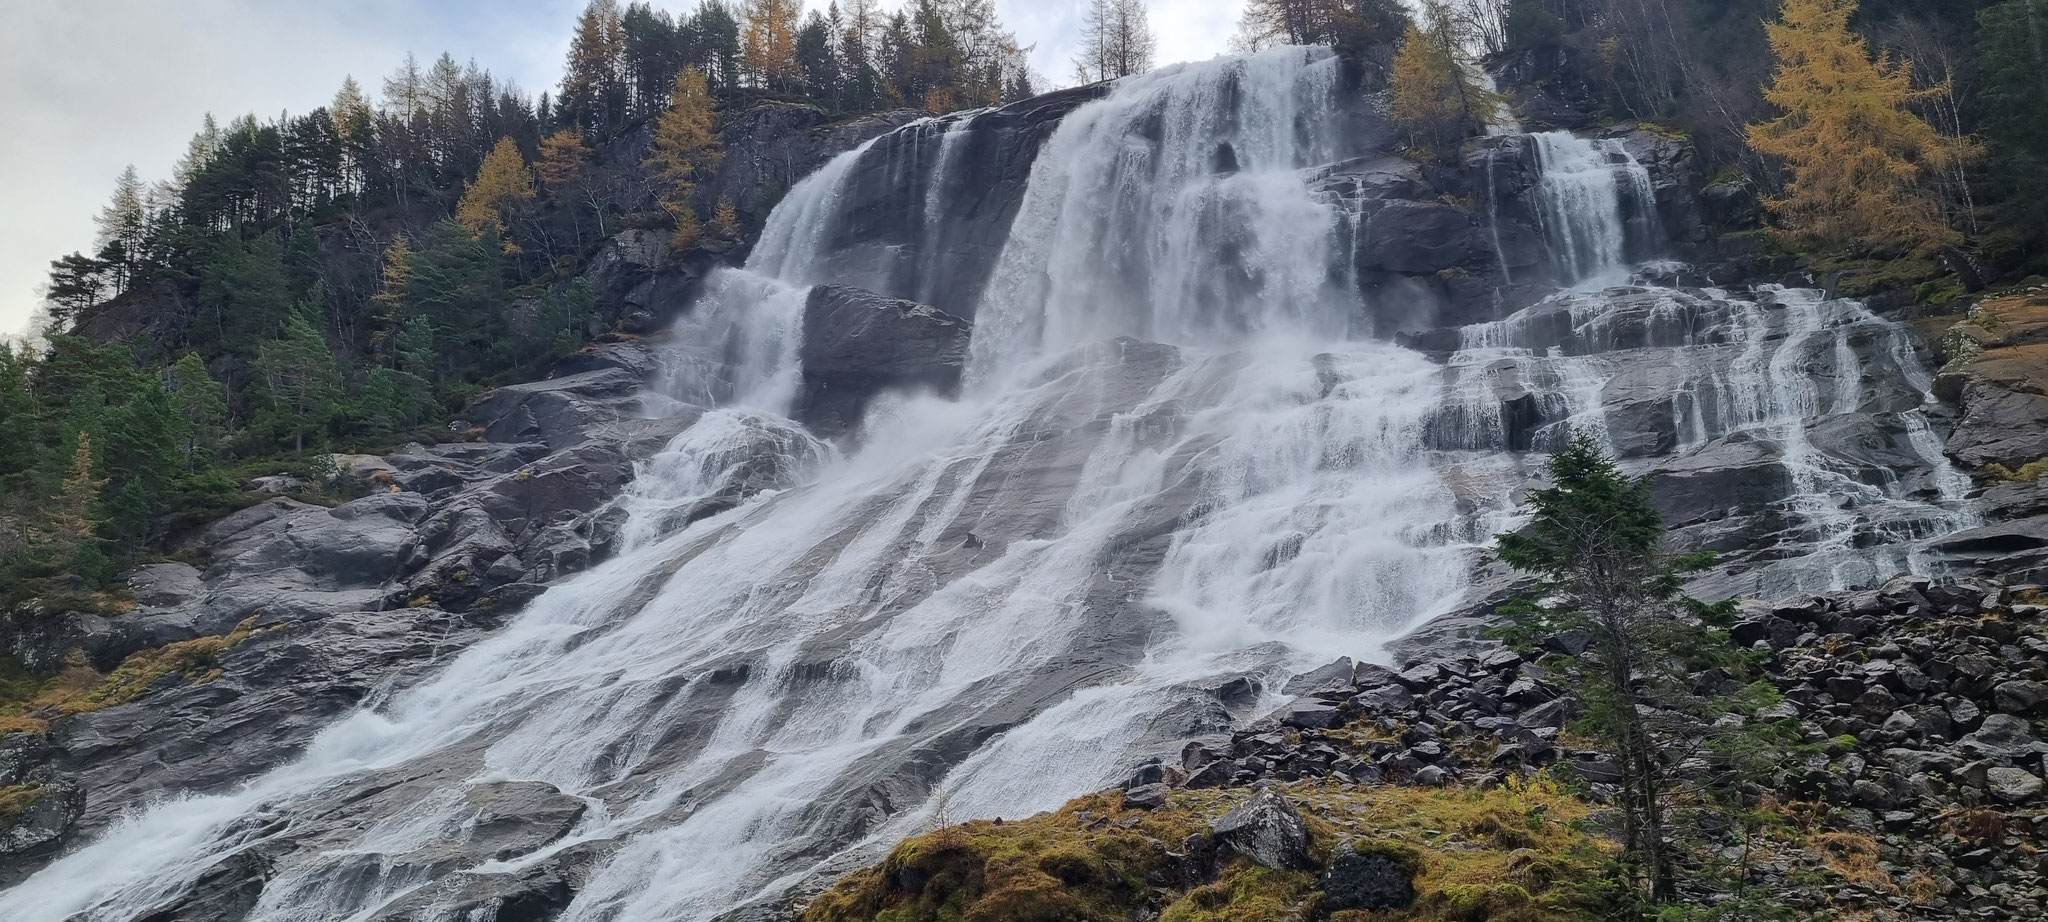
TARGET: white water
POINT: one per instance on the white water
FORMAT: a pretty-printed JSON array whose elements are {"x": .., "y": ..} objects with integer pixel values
[
  {"x": 1582, "y": 197},
  {"x": 1283, "y": 459},
  {"x": 1008, "y": 600}
]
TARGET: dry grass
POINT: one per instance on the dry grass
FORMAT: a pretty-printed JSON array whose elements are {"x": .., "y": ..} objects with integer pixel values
[
  {"x": 1853, "y": 855},
  {"x": 28, "y": 705},
  {"x": 1513, "y": 854}
]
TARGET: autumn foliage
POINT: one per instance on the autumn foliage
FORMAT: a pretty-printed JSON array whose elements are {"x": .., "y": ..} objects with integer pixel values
[{"x": 1860, "y": 160}]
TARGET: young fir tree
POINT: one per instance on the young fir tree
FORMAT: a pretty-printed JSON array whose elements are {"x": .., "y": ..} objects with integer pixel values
[
  {"x": 685, "y": 148},
  {"x": 1594, "y": 545},
  {"x": 1860, "y": 159},
  {"x": 502, "y": 185},
  {"x": 390, "y": 296}
]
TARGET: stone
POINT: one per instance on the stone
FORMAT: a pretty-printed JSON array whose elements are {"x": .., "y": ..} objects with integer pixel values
[
  {"x": 2004, "y": 738},
  {"x": 1146, "y": 796},
  {"x": 1333, "y": 676},
  {"x": 1312, "y": 713},
  {"x": 2012, "y": 785},
  {"x": 858, "y": 344},
  {"x": 1368, "y": 881},
  {"x": 1266, "y": 829},
  {"x": 2019, "y": 696}
]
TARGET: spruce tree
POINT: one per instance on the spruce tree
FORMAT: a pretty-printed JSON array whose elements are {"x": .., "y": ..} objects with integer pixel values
[{"x": 1594, "y": 544}]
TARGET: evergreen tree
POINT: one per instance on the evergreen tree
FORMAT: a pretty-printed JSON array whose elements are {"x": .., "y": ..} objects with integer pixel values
[
  {"x": 2013, "y": 57},
  {"x": 299, "y": 380},
  {"x": 684, "y": 148},
  {"x": 1857, "y": 153},
  {"x": 201, "y": 405},
  {"x": 717, "y": 36},
  {"x": 1594, "y": 544},
  {"x": 818, "y": 60},
  {"x": 502, "y": 185},
  {"x": 19, "y": 423}
]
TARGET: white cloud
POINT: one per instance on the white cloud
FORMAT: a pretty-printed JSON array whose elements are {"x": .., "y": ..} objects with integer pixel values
[{"x": 89, "y": 86}]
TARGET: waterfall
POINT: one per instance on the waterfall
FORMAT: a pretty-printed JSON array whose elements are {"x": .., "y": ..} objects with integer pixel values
[
  {"x": 1182, "y": 459},
  {"x": 1584, "y": 189},
  {"x": 1174, "y": 468}
]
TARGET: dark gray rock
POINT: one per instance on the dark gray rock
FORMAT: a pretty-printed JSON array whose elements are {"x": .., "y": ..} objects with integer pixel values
[
  {"x": 1367, "y": 881},
  {"x": 1146, "y": 796},
  {"x": 858, "y": 344},
  {"x": 2012, "y": 785},
  {"x": 1328, "y": 678},
  {"x": 1266, "y": 829}
]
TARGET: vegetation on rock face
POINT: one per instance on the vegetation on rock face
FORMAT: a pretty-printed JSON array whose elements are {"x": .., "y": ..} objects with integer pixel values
[
  {"x": 343, "y": 278},
  {"x": 1515, "y": 852},
  {"x": 28, "y": 703}
]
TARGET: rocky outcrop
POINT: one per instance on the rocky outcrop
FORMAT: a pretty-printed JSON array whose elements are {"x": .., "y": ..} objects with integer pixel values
[
  {"x": 330, "y": 604},
  {"x": 1917, "y": 702},
  {"x": 925, "y": 212},
  {"x": 857, "y": 345}
]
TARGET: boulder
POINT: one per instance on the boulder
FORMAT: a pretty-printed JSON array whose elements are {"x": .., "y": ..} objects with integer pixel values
[
  {"x": 857, "y": 345},
  {"x": 2012, "y": 785},
  {"x": 1366, "y": 880},
  {"x": 1268, "y": 830}
]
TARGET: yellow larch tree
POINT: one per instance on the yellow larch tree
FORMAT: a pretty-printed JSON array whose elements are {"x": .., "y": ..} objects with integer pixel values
[
  {"x": 768, "y": 42},
  {"x": 725, "y": 219},
  {"x": 562, "y": 156},
  {"x": 502, "y": 183},
  {"x": 684, "y": 148},
  {"x": 390, "y": 296},
  {"x": 1860, "y": 161},
  {"x": 1435, "y": 103}
]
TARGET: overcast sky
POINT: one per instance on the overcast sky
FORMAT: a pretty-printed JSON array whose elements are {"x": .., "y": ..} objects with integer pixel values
[{"x": 89, "y": 86}]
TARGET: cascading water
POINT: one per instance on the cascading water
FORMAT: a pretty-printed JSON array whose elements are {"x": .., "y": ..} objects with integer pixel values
[
  {"x": 1586, "y": 185},
  {"x": 1179, "y": 462},
  {"x": 1009, "y": 599}
]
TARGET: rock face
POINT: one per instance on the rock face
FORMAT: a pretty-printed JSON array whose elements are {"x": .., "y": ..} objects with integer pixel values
[
  {"x": 925, "y": 212},
  {"x": 857, "y": 344},
  {"x": 339, "y": 602}
]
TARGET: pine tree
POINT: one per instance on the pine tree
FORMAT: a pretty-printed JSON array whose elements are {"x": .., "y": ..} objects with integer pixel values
[
  {"x": 502, "y": 184},
  {"x": 1857, "y": 153},
  {"x": 685, "y": 148},
  {"x": 299, "y": 377},
  {"x": 817, "y": 58},
  {"x": 202, "y": 405},
  {"x": 768, "y": 42}
]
